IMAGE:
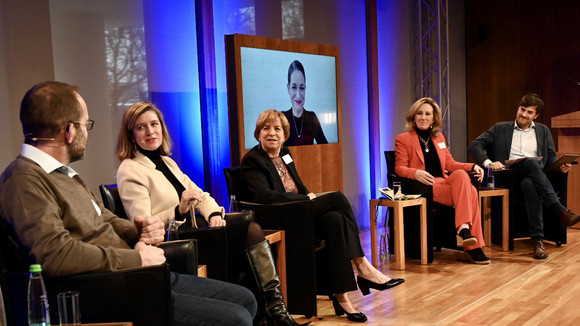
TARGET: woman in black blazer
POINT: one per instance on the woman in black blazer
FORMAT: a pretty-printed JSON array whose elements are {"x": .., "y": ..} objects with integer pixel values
[{"x": 270, "y": 176}]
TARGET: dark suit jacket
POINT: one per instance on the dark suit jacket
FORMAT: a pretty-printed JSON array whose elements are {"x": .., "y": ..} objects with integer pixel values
[
  {"x": 263, "y": 184},
  {"x": 496, "y": 144}
]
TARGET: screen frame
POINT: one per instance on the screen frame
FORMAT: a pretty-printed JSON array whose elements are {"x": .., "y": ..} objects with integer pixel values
[{"x": 234, "y": 43}]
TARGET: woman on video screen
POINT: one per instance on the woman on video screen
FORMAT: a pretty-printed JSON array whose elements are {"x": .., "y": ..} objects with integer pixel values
[{"x": 304, "y": 125}]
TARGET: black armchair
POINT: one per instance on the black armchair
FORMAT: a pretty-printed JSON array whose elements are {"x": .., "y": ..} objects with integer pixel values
[
  {"x": 141, "y": 295},
  {"x": 441, "y": 230},
  {"x": 112, "y": 200},
  {"x": 518, "y": 224},
  {"x": 296, "y": 219},
  {"x": 212, "y": 241}
]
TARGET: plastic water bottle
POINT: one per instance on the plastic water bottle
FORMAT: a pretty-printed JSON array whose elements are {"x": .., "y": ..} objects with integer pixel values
[
  {"x": 490, "y": 178},
  {"x": 38, "y": 313}
]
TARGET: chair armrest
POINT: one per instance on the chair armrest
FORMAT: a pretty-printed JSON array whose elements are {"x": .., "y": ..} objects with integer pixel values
[
  {"x": 141, "y": 295},
  {"x": 297, "y": 220},
  {"x": 212, "y": 244},
  {"x": 281, "y": 216},
  {"x": 411, "y": 186},
  {"x": 239, "y": 216},
  {"x": 181, "y": 255},
  {"x": 503, "y": 178},
  {"x": 476, "y": 183}
]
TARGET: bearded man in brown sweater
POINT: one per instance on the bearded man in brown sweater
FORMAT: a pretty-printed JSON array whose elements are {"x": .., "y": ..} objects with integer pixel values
[{"x": 69, "y": 231}]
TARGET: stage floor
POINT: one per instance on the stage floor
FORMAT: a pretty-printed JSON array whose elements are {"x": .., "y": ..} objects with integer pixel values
[{"x": 515, "y": 289}]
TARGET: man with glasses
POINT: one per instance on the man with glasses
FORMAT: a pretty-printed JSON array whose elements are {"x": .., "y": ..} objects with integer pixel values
[
  {"x": 67, "y": 230},
  {"x": 526, "y": 139}
]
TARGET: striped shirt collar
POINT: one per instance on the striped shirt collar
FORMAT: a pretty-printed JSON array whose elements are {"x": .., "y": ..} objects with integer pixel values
[{"x": 45, "y": 161}]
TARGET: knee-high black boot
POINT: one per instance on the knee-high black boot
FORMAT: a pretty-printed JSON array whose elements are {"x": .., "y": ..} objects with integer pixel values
[{"x": 264, "y": 270}]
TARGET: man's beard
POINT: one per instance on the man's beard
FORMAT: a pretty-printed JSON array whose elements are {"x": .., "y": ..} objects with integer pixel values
[{"x": 76, "y": 149}]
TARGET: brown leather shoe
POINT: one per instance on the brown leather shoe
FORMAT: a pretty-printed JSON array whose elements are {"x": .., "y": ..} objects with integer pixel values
[
  {"x": 569, "y": 218},
  {"x": 540, "y": 251}
]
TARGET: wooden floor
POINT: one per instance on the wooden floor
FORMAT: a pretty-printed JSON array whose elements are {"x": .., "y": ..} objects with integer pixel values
[{"x": 515, "y": 289}]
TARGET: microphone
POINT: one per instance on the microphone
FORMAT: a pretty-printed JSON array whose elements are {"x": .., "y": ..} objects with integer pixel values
[
  {"x": 27, "y": 136},
  {"x": 40, "y": 138}
]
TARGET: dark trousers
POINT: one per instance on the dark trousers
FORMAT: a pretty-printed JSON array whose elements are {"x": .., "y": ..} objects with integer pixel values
[
  {"x": 336, "y": 225},
  {"x": 203, "y": 301},
  {"x": 535, "y": 187}
]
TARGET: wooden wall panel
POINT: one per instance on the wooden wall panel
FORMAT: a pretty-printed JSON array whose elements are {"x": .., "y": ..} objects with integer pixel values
[{"x": 516, "y": 47}]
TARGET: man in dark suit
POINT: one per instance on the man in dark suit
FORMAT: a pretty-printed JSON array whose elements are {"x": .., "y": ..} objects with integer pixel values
[{"x": 526, "y": 139}]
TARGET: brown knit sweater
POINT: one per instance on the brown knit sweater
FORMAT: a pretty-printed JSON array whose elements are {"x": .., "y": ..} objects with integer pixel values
[{"x": 55, "y": 219}]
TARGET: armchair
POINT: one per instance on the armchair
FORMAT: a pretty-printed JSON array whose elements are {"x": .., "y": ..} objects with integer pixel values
[
  {"x": 518, "y": 227},
  {"x": 296, "y": 219},
  {"x": 105, "y": 297},
  {"x": 211, "y": 240},
  {"x": 441, "y": 231}
]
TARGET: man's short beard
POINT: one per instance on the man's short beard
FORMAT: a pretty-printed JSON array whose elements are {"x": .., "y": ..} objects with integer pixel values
[
  {"x": 77, "y": 156},
  {"x": 76, "y": 150}
]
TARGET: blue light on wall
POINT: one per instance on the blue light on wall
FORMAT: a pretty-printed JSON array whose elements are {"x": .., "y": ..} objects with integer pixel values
[
  {"x": 173, "y": 78},
  {"x": 395, "y": 84}
]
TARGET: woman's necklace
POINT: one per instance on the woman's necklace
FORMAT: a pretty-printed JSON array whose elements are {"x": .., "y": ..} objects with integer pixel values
[
  {"x": 279, "y": 166},
  {"x": 301, "y": 125},
  {"x": 425, "y": 143}
]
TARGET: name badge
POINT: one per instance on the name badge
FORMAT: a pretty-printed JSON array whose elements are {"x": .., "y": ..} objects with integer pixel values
[
  {"x": 442, "y": 145},
  {"x": 96, "y": 207},
  {"x": 287, "y": 159}
]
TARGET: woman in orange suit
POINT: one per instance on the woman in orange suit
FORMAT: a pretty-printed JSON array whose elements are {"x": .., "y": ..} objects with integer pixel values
[{"x": 422, "y": 155}]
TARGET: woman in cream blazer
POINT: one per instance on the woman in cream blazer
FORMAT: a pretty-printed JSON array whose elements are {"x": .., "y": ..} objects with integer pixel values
[
  {"x": 145, "y": 191},
  {"x": 151, "y": 183}
]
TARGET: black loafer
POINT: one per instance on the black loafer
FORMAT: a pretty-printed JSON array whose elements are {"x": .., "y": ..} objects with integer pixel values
[
  {"x": 465, "y": 239},
  {"x": 478, "y": 256}
]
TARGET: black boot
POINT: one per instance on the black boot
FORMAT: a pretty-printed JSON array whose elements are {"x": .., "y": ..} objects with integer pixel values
[{"x": 264, "y": 270}]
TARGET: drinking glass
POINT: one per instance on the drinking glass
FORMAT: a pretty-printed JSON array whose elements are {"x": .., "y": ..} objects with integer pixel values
[
  {"x": 172, "y": 230},
  {"x": 397, "y": 192},
  {"x": 69, "y": 311}
]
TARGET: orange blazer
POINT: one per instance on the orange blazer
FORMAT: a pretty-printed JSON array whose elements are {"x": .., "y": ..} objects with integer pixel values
[{"x": 409, "y": 156}]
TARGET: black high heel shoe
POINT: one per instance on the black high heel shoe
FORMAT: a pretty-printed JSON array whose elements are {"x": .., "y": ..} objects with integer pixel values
[
  {"x": 358, "y": 317},
  {"x": 365, "y": 285}
]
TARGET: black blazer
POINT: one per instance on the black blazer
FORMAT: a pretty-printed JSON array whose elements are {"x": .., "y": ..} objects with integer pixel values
[
  {"x": 496, "y": 144},
  {"x": 262, "y": 182}
]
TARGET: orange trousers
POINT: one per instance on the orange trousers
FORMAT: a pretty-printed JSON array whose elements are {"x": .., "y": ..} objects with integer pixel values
[{"x": 457, "y": 190}]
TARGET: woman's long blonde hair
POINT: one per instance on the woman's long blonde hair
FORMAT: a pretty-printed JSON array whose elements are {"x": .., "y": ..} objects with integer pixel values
[{"x": 436, "y": 126}]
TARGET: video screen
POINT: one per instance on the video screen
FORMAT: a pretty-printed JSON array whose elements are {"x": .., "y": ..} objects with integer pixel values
[{"x": 303, "y": 86}]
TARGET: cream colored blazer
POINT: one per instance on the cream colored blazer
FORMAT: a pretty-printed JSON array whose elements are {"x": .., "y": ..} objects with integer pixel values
[{"x": 145, "y": 191}]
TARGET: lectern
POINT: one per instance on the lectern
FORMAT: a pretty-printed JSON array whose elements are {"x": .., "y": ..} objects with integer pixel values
[{"x": 568, "y": 126}]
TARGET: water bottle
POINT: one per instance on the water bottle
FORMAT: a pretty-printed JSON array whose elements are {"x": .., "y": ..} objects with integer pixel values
[
  {"x": 490, "y": 178},
  {"x": 38, "y": 314},
  {"x": 384, "y": 254},
  {"x": 233, "y": 205}
]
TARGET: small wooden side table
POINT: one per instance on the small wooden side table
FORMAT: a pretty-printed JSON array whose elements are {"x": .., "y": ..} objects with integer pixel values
[
  {"x": 279, "y": 238},
  {"x": 202, "y": 270},
  {"x": 484, "y": 195},
  {"x": 399, "y": 234}
]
